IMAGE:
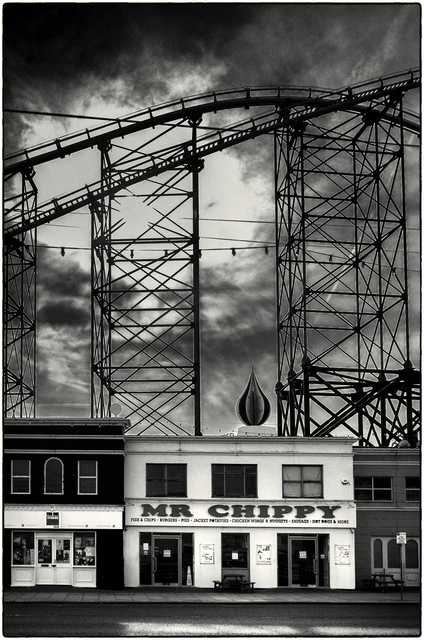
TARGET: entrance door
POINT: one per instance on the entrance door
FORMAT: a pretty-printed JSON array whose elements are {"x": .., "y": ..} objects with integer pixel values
[
  {"x": 54, "y": 560},
  {"x": 303, "y": 562},
  {"x": 167, "y": 561}
]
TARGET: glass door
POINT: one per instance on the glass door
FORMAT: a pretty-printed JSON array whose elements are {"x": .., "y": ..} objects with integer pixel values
[
  {"x": 166, "y": 561},
  {"x": 54, "y": 560},
  {"x": 303, "y": 562}
]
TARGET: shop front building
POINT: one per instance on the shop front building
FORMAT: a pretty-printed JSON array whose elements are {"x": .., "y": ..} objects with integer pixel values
[
  {"x": 387, "y": 485},
  {"x": 63, "y": 503},
  {"x": 279, "y": 512}
]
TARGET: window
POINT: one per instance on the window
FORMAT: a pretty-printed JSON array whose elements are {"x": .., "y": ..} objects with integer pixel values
[
  {"x": 166, "y": 480},
  {"x": 87, "y": 477},
  {"x": 373, "y": 488},
  {"x": 386, "y": 555},
  {"x": 85, "y": 548},
  {"x": 234, "y": 481},
  {"x": 412, "y": 489},
  {"x": 302, "y": 481},
  {"x": 53, "y": 476},
  {"x": 235, "y": 550},
  {"x": 21, "y": 476},
  {"x": 22, "y": 548}
]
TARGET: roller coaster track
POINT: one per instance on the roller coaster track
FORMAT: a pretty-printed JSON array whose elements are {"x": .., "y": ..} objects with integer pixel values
[
  {"x": 290, "y": 111},
  {"x": 339, "y": 161}
]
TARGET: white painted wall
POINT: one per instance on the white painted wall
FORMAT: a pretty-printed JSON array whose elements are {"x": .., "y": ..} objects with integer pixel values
[{"x": 269, "y": 454}]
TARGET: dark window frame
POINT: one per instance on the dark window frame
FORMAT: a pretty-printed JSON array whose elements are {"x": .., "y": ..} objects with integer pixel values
[
  {"x": 222, "y": 474},
  {"x": 303, "y": 481},
  {"x": 84, "y": 477},
  {"x": 16, "y": 476},
  {"x": 53, "y": 493},
  {"x": 166, "y": 480},
  {"x": 373, "y": 492},
  {"x": 413, "y": 493}
]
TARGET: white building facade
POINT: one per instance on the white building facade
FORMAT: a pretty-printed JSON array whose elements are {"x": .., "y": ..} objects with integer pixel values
[{"x": 278, "y": 511}]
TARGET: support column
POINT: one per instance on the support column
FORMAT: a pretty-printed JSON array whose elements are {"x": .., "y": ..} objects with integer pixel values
[{"x": 196, "y": 167}]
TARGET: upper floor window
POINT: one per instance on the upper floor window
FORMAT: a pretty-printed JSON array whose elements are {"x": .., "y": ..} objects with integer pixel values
[
  {"x": 302, "y": 481},
  {"x": 234, "y": 481},
  {"x": 412, "y": 489},
  {"x": 373, "y": 488},
  {"x": 87, "y": 477},
  {"x": 21, "y": 476},
  {"x": 53, "y": 476},
  {"x": 166, "y": 480}
]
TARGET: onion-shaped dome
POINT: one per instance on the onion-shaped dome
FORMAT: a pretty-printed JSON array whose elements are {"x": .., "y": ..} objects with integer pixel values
[{"x": 253, "y": 407}]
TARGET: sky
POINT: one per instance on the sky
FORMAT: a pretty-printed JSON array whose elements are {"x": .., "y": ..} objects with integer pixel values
[{"x": 112, "y": 59}]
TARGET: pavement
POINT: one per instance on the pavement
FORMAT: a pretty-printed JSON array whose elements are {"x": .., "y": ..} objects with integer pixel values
[{"x": 207, "y": 596}]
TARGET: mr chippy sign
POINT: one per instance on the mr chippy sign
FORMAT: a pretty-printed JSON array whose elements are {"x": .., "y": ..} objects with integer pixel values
[{"x": 317, "y": 515}]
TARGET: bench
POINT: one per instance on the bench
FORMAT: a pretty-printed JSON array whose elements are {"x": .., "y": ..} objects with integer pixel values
[
  {"x": 236, "y": 582},
  {"x": 381, "y": 581}
]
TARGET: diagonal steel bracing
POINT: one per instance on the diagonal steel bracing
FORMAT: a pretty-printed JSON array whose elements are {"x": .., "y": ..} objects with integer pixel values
[
  {"x": 19, "y": 299},
  {"x": 343, "y": 320}
]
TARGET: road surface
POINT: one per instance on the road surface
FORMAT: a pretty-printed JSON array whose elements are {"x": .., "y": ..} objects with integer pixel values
[{"x": 24, "y": 620}]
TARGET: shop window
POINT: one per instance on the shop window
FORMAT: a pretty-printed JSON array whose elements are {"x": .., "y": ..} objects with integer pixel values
[
  {"x": 53, "y": 476},
  {"x": 412, "y": 489},
  {"x": 283, "y": 559},
  {"x": 386, "y": 556},
  {"x": 393, "y": 554},
  {"x": 85, "y": 549},
  {"x": 411, "y": 554},
  {"x": 234, "y": 481},
  {"x": 378, "y": 488},
  {"x": 302, "y": 481},
  {"x": 235, "y": 550},
  {"x": 145, "y": 558},
  {"x": 166, "y": 480},
  {"x": 21, "y": 476},
  {"x": 87, "y": 477},
  {"x": 378, "y": 553},
  {"x": 22, "y": 548}
]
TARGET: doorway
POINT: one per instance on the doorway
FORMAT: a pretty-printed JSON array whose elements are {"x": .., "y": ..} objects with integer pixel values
[
  {"x": 54, "y": 561},
  {"x": 303, "y": 561},
  {"x": 166, "y": 565}
]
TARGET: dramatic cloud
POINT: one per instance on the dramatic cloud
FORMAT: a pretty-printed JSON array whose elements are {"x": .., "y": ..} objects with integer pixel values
[{"x": 110, "y": 59}]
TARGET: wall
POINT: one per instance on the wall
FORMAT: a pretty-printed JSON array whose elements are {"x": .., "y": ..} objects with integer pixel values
[
  {"x": 385, "y": 518},
  {"x": 269, "y": 454}
]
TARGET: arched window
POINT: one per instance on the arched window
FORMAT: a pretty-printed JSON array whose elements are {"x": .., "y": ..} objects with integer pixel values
[
  {"x": 393, "y": 554},
  {"x": 53, "y": 476},
  {"x": 378, "y": 554},
  {"x": 411, "y": 553}
]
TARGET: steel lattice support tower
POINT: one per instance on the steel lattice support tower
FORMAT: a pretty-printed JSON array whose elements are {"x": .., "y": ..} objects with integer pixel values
[
  {"x": 19, "y": 299},
  {"x": 344, "y": 356},
  {"x": 145, "y": 301}
]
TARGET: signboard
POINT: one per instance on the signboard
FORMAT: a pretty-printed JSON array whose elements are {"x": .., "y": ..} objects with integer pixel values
[
  {"x": 52, "y": 519},
  {"x": 281, "y": 514},
  {"x": 83, "y": 517},
  {"x": 401, "y": 537}
]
